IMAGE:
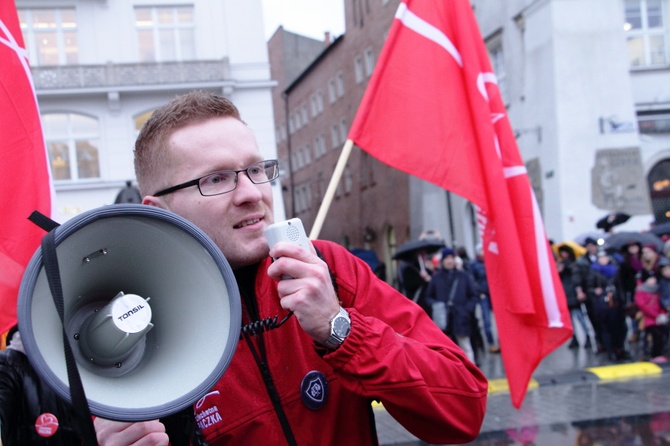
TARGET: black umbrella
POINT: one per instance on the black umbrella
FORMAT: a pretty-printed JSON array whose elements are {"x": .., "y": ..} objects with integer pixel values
[
  {"x": 661, "y": 230},
  {"x": 611, "y": 220},
  {"x": 410, "y": 250},
  {"x": 618, "y": 240}
]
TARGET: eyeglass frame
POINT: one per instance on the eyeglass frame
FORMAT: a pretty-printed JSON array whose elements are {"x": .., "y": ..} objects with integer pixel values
[{"x": 196, "y": 182}]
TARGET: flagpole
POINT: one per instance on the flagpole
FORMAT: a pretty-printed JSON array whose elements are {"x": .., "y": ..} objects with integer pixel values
[{"x": 332, "y": 187}]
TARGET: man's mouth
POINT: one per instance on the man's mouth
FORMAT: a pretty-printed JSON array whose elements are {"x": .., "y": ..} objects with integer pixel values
[{"x": 247, "y": 223}]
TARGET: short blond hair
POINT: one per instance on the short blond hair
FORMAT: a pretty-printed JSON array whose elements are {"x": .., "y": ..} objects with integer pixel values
[{"x": 151, "y": 157}]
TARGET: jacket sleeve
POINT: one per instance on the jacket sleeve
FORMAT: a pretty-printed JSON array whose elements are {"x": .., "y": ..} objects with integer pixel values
[{"x": 396, "y": 354}]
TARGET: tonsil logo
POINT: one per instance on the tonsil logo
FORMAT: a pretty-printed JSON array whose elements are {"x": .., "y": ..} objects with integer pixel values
[{"x": 130, "y": 312}]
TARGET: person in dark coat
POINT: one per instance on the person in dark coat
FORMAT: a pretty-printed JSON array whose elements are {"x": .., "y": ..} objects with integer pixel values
[
  {"x": 571, "y": 279},
  {"x": 30, "y": 412},
  {"x": 585, "y": 262},
  {"x": 664, "y": 282},
  {"x": 459, "y": 293},
  {"x": 478, "y": 271},
  {"x": 608, "y": 302}
]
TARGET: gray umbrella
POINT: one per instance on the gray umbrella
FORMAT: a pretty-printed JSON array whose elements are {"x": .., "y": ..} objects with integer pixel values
[{"x": 618, "y": 240}]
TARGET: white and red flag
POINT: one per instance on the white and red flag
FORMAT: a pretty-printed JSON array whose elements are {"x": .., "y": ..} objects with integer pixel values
[
  {"x": 24, "y": 173},
  {"x": 433, "y": 109}
]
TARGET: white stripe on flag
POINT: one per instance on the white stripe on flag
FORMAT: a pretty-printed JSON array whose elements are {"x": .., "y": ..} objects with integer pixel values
[
  {"x": 425, "y": 29},
  {"x": 544, "y": 268},
  {"x": 514, "y": 171}
]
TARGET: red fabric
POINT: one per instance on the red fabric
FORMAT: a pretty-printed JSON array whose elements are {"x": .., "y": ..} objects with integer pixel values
[
  {"x": 433, "y": 110},
  {"x": 649, "y": 304},
  {"x": 394, "y": 353},
  {"x": 23, "y": 170}
]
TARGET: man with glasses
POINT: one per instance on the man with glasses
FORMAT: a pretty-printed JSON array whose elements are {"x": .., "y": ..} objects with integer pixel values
[{"x": 352, "y": 338}]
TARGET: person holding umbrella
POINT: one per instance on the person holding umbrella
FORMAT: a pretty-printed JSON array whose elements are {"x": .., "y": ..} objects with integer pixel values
[{"x": 415, "y": 268}]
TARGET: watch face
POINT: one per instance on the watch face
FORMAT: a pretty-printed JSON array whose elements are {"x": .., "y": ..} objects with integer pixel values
[{"x": 341, "y": 326}]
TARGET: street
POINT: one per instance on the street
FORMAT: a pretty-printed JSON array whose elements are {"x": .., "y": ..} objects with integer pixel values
[{"x": 574, "y": 395}]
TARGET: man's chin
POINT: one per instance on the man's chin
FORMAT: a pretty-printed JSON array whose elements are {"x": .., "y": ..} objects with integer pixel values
[{"x": 247, "y": 258}]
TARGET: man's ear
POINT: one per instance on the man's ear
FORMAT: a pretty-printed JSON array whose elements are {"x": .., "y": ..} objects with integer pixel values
[{"x": 150, "y": 200}]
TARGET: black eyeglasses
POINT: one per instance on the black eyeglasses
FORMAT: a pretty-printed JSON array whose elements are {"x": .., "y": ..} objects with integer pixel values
[{"x": 225, "y": 181}]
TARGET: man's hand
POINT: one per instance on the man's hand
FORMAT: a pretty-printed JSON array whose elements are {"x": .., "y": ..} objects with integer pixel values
[
  {"x": 116, "y": 433},
  {"x": 309, "y": 293}
]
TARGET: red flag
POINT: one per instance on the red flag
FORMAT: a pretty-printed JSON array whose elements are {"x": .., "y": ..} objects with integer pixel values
[
  {"x": 23, "y": 170},
  {"x": 433, "y": 110}
]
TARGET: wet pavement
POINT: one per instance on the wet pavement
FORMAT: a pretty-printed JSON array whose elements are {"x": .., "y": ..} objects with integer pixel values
[{"x": 576, "y": 397}]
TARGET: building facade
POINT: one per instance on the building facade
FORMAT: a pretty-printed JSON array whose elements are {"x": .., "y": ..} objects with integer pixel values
[
  {"x": 100, "y": 67},
  {"x": 587, "y": 92},
  {"x": 313, "y": 112},
  {"x": 586, "y": 89}
]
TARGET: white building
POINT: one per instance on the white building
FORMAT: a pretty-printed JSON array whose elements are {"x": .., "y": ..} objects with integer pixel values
[
  {"x": 100, "y": 67},
  {"x": 587, "y": 87}
]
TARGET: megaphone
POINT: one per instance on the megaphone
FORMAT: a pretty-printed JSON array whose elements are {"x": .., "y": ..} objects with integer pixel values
[{"x": 151, "y": 309}]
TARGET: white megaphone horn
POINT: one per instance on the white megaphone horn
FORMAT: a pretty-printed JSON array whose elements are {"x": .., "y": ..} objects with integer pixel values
[{"x": 150, "y": 307}]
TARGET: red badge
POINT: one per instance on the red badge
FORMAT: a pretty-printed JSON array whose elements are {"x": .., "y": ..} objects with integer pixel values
[{"x": 46, "y": 425}]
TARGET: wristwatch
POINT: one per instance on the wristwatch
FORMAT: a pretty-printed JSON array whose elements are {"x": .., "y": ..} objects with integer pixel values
[{"x": 340, "y": 326}]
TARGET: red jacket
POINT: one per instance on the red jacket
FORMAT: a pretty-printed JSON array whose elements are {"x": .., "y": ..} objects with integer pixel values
[
  {"x": 648, "y": 301},
  {"x": 394, "y": 354}
]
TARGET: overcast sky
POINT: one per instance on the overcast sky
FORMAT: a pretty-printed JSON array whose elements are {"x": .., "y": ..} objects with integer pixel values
[{"x": 307, "y": 17}]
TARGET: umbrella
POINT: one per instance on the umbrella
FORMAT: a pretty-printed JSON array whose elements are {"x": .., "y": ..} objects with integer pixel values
[
  {"x": 661, "y": 230},
  {"x": 611, "y": 220},
  {"x": 618, "y": 240},
  {"x": 581, "y": 238},
  {"x": 410, "y": 250},
  {"x": 578, "y": 249}
]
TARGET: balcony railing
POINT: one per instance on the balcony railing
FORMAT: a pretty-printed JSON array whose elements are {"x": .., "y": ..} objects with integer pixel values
[{"x": 67, "y": 77}]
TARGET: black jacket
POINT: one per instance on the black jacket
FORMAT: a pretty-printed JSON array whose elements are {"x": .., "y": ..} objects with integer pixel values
[
  {"x": 465, "y": 300},
  {"x": 23, "y": 398}
]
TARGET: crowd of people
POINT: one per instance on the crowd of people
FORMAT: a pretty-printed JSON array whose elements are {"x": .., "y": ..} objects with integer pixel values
[{"x": 619, "y": 298}]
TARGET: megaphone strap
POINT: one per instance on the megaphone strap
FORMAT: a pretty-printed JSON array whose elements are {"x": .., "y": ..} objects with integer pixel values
[
  {"x": 79, "y": 403},
  {"x": 43, "y": 221}
]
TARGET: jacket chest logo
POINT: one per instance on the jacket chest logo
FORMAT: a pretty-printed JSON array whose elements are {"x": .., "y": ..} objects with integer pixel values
[{"x": 314, "y": 390}]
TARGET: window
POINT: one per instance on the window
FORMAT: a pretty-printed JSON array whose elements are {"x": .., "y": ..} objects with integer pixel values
[
  {"x": 658, "y": 181},
  {"x": 367, "y": 177},
  {"x": 304, "y": 115},
  {"x": 140, "y": 120},
  {"x": 50, "y": 36},
  {"x": 645, "y": 32},
  {"x": 320, "y": 146},
  {"x": 497, "y": 56},
  {"x": 315, "y": 106},
  {"x": 343, "y": 131},
  {"x": 72, "y": 142},
  {"x": 369, "y": 62},
  {"x": 358, "y": 69},
  {"x": 319, "y": 101},
  {"x": 340, "y": 84},
  {"x": 307, "y": 155},
  {"x": 348, "y": 180},
  {"x": 332, "y": 91},
  {"x": 165, "y": 33},
  {"x": 335, "y": 136}
]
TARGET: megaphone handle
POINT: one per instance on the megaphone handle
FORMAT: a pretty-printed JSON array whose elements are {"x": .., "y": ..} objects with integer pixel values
[{"x": 79, "y": 403}]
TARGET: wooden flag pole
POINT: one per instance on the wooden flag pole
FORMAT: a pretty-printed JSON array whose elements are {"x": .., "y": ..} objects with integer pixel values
[{"x": 330, "y": 191}]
